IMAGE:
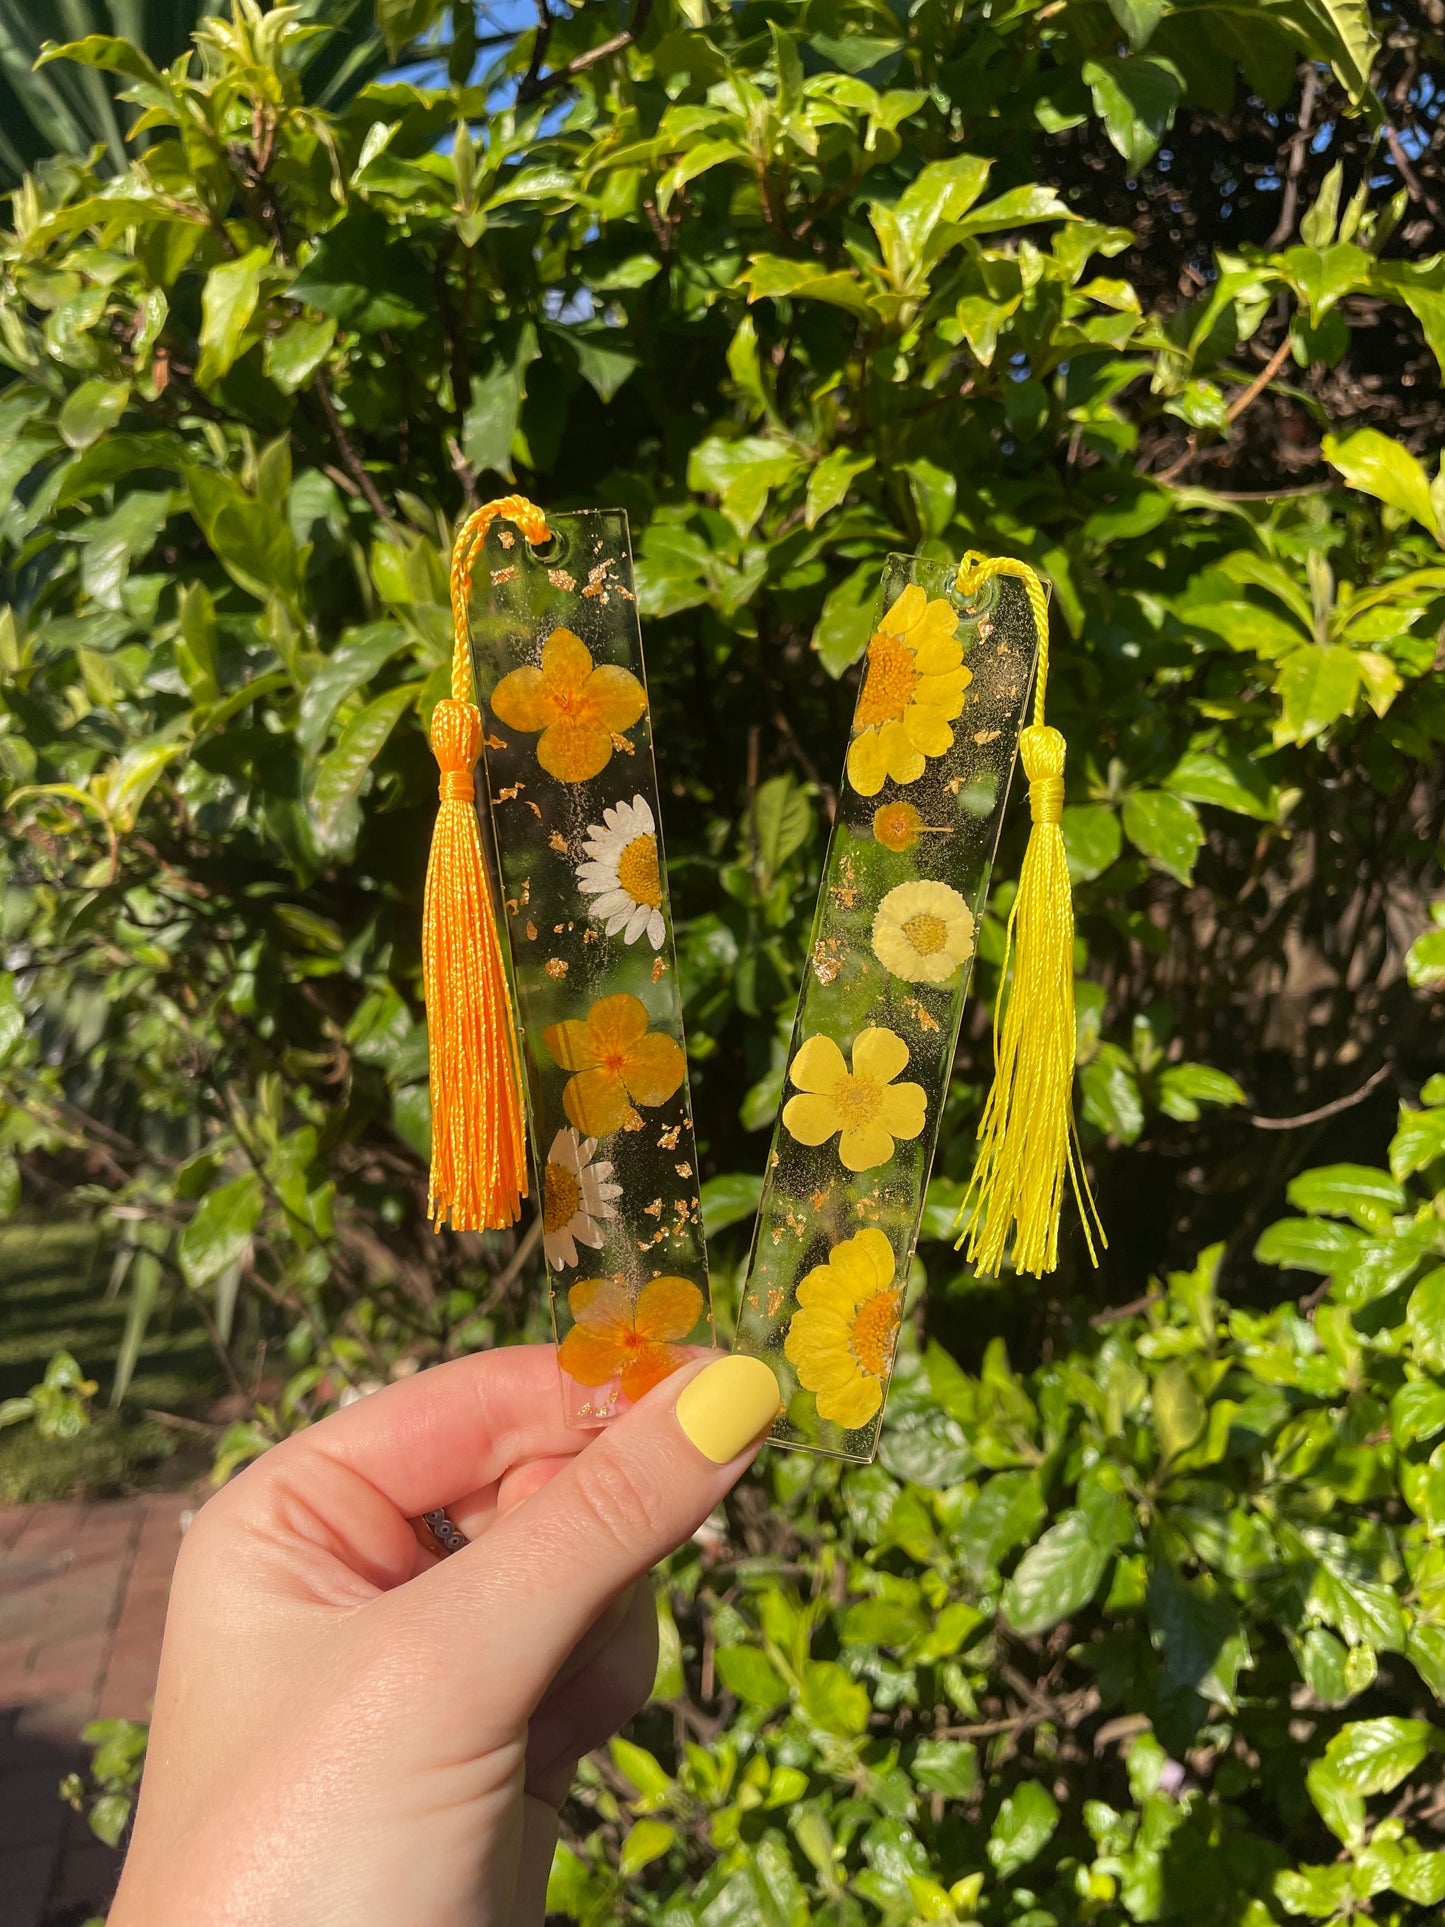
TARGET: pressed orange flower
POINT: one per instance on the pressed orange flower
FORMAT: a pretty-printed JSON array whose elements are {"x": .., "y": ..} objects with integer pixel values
[
  {"x": 578, "y": 706},
  {"x": 615, "y": 1337},
  {"x": 618, "y": 1063},
  {"x": 912, "y": 691}
]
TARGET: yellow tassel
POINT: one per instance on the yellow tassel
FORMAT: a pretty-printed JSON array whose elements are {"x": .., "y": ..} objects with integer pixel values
[
  {"x": 1028, "y": 1138},
  {"x": 479, "y": 1158}
]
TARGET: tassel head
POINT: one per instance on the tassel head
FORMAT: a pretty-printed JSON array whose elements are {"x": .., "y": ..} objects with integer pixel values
[{"x": 1028, "y": 1139}]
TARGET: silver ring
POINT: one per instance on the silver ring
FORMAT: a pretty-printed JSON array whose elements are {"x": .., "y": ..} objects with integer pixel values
[{"x": 448, "y": 1535}]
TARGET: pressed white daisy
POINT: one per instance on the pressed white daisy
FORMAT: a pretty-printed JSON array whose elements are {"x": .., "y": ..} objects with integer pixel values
[
  {"x": 577, "y": 1195},
  {"x": 622, "y": 876}
]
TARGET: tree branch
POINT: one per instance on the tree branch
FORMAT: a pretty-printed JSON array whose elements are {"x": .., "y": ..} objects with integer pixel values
[
  {"x": 534, "y": 83},
  {"x": 1331, "y": 1109}
]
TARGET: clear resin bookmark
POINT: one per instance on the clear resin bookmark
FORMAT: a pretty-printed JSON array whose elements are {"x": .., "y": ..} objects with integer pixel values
[
  {"x": 575, "y": 819},
  {"x": 930, "y": 757}
]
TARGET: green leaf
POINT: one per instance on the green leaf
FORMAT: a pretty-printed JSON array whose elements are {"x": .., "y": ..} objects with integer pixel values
[
  {"x": 1006, "y": 1513},
  {"x": 751, "y": 1675},
  {"x": 1324, "y": 276},
  {"x": 1023, "y": 1828},
  {"x": 228, "y": 302},
  {"x": 782, "y": 822},
  {"x": 847, "y": 620},
  {"x": 114, "y": 541},
  {"x": 1316, "y": 1892},
  {"x": 1197, "y": 1633},
  {"x": 360, "y": 655},
  {"x": 645, "y": 1842},
  {"x": 728, "y": 1199},
  {"x": 949, "y": 1767},
  {"x": 1056, "y": 1577},
  {"x": 1092, "y": 840},
  {"x": 1374, "y": 1756},
  {"x": 1136, "y": 99},
  {"x": 344, "y": 768},
  {"x": 219, "y": 1232},
  {"x": 1419, "y": 1139},
  {"x": 90, "y": 410},
  {"x": 292, "y": 357},
  {"x": 1425, "y": 960},
  {"x": 834, "y": 1700},
  {"x": 1425, "y": 1320},
  {"x": 1317, "y": 685},
  {"x": 830, "y": 481},
  {"x": 1206, "y": 778},
  {"x": 1301, "y": 1244},
  {"x": 1138, "y": 18},
  {"x": 604, "y": 363},
  {"x": 364, "y": 276},
  {"x": 1378, "y": 466},
  {"x": 1184, "y": 1087},
  {"x": 1179, "y": 1411},
  {"x": 1357, "y": 1191},
  {"x": 1109, "y": 1083},
  {"x": 768, "y": 277},
  {"x": 1166, "y": 829},
  {"x": 742, "y": 474},
  {"x": 1349, "y": 40}
]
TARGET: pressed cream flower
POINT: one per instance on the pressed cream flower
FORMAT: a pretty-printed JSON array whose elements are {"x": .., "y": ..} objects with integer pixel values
[
  {"x": 844, "y": 1331},
  {"x": 579, "y": 707},
  {"x": 922, "y": 932},
  {"x": 577, "y": 1196},
  {"x": 623, "y": 877},
  {"x": 912, "y": 691},
  {"x": 637, "y": 1342},
  {"x": 618, "y": 1063},
  {"x": 864, "y": 1106}
]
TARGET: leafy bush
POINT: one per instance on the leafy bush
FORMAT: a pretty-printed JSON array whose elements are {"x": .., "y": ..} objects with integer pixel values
[{"x": 1137, "y": 292}]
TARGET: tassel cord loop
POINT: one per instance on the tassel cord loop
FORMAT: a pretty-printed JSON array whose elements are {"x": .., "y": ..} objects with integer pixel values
[{"x": 1029, "y": 1148}]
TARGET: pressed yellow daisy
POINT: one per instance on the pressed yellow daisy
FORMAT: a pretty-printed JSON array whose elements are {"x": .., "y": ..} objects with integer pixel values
[
  {"x": 863, "y": 1105},
  {"x": 841, "y": 1339},
  {"x": 912, "y": 691},
  {"x": 922, "y": 932}
]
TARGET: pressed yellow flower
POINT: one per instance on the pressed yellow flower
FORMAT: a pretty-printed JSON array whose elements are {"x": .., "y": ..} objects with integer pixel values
[
  {"x": 922, "y": 932},
  {"x": 912, "y": 690},
  {"x": 864, "y": 1105},
  {"x": 843, "y": 1333},
  {"x": 578, "y": 706},
  {"x": 617, "y": 1338},
  {"x": 618, "y": 1063}
]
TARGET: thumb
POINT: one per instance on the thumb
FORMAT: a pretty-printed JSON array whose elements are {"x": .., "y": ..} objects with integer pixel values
[{"x": 518, "y": 1601}]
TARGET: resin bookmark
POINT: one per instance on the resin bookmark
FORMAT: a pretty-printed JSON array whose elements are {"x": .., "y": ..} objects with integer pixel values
[
  {"x": 575, "y": 818},
  {"x": 929, "y": 761}
]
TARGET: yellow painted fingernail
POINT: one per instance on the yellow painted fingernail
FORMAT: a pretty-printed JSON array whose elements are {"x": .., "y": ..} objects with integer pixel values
[{"x": 728, "y": 1405}]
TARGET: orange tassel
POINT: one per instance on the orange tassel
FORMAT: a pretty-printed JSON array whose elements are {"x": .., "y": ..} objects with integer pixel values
[{"x": 479, "y": 1158}]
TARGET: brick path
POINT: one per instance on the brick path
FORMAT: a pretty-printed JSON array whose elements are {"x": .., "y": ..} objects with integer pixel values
[{"x": 83, "y": 1591}]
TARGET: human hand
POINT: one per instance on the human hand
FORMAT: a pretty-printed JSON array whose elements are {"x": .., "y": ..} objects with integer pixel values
[{"x": 351, "y": 1732}]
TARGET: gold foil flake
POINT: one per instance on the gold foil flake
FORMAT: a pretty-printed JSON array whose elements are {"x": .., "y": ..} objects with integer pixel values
[
  {"x": 827, "y": 959},
  {"x": 531, "y": 931},
  {"x": 621, "y": 743},
  {"x": 556, "y": 841},
  {"x": 653, "y": 1210},
  {"x": 796, "y": 1223},
  {"x": 776, "y": 1295},
  {"x": 954, "y": 785},
  {"x": 512, "y": 790},
  {"x": 659, "y": 970},
  {"x": 560, "y": 579},
  {"x": 556, "y": 968},
  {"x": 505, "y": 575},
  {"x": 844, "y": 891},
  {"x": 633, "y": 1120},
  {"x": 508, "y": 541},
  {"x": 683, "y": 1170},
  {"x": 597, "y": 583},
  {"x": 496, "y": 742},
  {"x": 535, "y": 808},
  {"x": 821, "y": 1196},
  {"x": 924, "y": 1017},
  {"x": 669, "y": 1138},
  {"x": 982, "y": 736}
]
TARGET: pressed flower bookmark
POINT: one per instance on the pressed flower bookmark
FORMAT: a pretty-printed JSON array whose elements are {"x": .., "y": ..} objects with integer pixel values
[
  {"x": 929, "y": 761},
  {"x": 575, "y": 819}
]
